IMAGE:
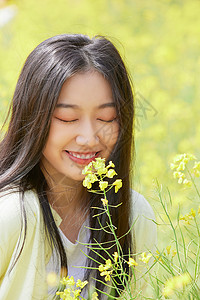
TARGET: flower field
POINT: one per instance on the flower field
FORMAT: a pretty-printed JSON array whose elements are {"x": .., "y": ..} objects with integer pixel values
[{"x": 159, "y": 41}]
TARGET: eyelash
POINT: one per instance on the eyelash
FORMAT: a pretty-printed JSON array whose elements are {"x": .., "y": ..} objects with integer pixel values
[
  {"x": 65, "y": 121},
  {"x": 72, "y": 121},
  {"x": 110, "y": 121}
]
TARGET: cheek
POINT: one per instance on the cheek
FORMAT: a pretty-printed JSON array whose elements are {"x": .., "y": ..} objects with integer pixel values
[
  {"x": 109, "y": 134},
  {"x": 58, "y": 136}
]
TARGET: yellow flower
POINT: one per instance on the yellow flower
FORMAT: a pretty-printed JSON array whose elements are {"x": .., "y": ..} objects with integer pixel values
[
  {"x": 87, "y": 183},
  {"x": 70, "y": 291},
  {"x": 111, "y": 164},
  {"x": 70, "y": 281},
  {"x": 104, "y": 270},
  {"x": 81, "y": 284},
  {"x": 66, "y": 295},
  {"x": 118, "y": 184},
  {"x": 107, "y": 265},
  {"x": 92, "y": 178},
  {"x": 193, "y": 212},
  {"x": 178, "y": 158},
  {"x": 184, "y": 157},
  {"x": 158, "y": 256},
  {"x": 87, "y": 169},
  {"x": 103, "y": 185},
  {"x": 107, "y": 277},
  {"x": 111, "y": 173},
  {"x": 197, "y": 165},
  {"x": 89, "y": 179},
  {"x": 187, "y": 182},
  {"x": 181, "y": 166},
  {"x": 179, "y": 175},
  {"x": 132, "y": 262},
  {"x": 173, "y": 166},
  {"x": 99, "y": 165},
  {"x": 116, "y": 256},
  {"x": 176, "y": 283},
  {"x": 145, "y": 258},
  {"x": 95, "y": 296},
  {"x": 186, "y": 218},
  {"x": 168, "y": 248},
  {"x": 199, "y": 210},
  {"x": 104, "y": 201},
  {"x": 174, "y": 252},
  {"x": 76, "y": 293},
  {"x": 196, "y": 173}
]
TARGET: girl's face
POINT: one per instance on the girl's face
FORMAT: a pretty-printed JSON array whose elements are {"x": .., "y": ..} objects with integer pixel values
[{"x": 84, "y": 126}]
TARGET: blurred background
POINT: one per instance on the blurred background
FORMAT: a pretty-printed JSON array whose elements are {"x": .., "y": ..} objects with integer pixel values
[{"x": 160, "y": 43}]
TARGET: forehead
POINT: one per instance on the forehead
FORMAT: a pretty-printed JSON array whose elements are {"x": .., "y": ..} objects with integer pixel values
[{"x": 90, "y": 87}]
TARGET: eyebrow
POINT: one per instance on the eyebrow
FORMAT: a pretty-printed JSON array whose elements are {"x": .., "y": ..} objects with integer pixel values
[{"x": 64, "y": 105}]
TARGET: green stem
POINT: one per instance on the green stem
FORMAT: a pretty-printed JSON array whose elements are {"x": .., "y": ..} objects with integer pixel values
[
  {"x": 174, "y": 231},
  {"x": 192, "y": 179}
]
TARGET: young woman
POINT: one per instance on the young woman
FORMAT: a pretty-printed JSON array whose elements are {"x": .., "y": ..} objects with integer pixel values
[{"x": 73, "y": 103}]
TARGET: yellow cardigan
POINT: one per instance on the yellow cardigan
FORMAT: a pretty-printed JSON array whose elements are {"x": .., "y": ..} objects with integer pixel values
[{"x": 27, "y": 280}]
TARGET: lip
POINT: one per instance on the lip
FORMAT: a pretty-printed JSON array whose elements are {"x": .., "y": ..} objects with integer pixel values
[{"x": 82, "y": 161}]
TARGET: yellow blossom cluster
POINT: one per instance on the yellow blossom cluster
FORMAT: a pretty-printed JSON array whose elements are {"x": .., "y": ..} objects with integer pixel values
[
  {"x": 72, "y": 289},
  {"x": 179, "y": 166},
  {"x": 96, "y": 170},
  {"x": 145, "y": 257},
  {"x": 131, "y": 262},
  {"x": 167, "y": 251},
  {"x": 176, "y": 283},
  {"x": 116, "y": 257},
  {"x": 170, "y": 251},
  {"x": 106, "y": 270},
  {"x": 190, "y": 216}
]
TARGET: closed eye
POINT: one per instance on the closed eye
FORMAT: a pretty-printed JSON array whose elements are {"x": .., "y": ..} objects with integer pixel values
[
  {"x": 107, "y": 121},
  {"x": 67, "y": 121}
]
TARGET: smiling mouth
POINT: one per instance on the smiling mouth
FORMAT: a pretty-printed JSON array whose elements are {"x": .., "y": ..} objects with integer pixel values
[{"x": 86, "y": 156}]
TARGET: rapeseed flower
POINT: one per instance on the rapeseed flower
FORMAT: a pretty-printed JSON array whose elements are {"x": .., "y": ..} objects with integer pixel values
[
  {"x": 81, "y": 284},
  {"x": 106, "y": 270},
  {"x": 196, "y": 169},
  {"x": 73, "y": 289},
  {"x": 103, "y": 185},
  {"x": 118, "y": 184},
  {"x": 95, "y": 296},
  {"x": 179, "y": 166},
  {"x": 186, "y": 218},
  {"x": 131, "y": 262},
  {"x": 176, "y": 283},
  {"x": 116, "y": 257},
  {"x": 104, "y": 201},
  {"x": 111, "y": 173},
  {"x": 145, "y": 257},
  {"x": 168, "y": 248}
]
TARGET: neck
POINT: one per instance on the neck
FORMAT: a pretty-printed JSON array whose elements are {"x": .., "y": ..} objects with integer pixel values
[{"x": 67, "y": 197}]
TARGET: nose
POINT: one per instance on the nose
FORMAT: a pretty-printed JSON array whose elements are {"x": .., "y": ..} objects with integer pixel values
[{"x": 87, "y": 135}]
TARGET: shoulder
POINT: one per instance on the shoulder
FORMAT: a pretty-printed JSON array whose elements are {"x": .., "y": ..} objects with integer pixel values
[
  {"x": 143, "y": 221},
  {"x": 140, "y": 206},
  {"x": 11, "y": 206},
  {"x": 12, "y": 220},
  {"x": 10, "y": 210}
]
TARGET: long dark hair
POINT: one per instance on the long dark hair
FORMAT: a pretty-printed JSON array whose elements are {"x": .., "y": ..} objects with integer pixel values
[{"x": 45, "y": 70}]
